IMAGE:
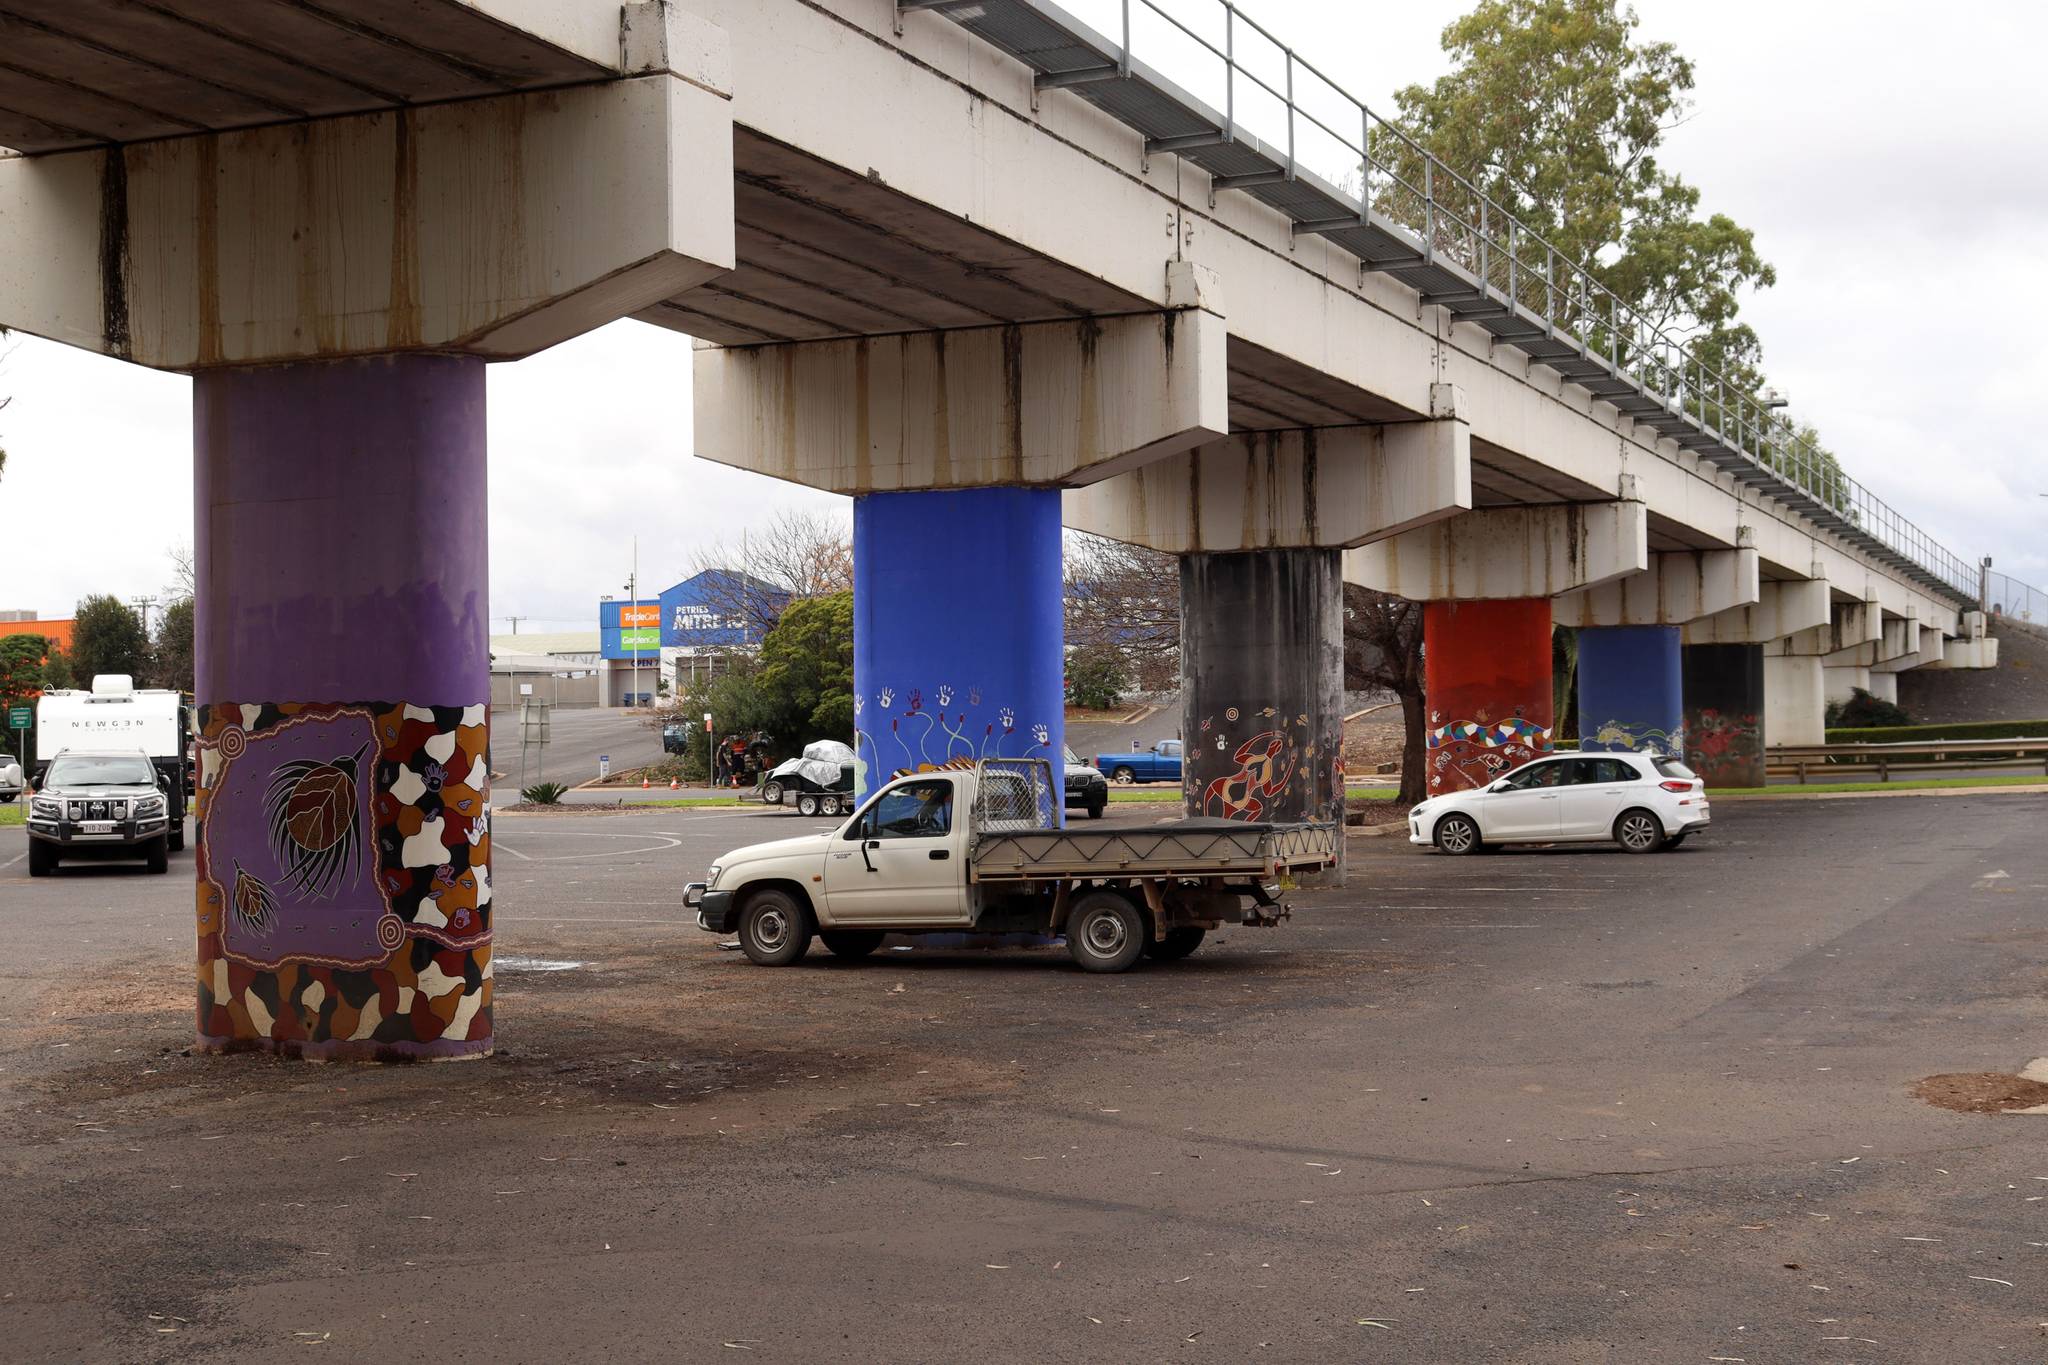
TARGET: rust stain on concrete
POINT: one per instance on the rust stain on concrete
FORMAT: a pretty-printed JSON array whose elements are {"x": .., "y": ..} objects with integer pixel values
[
  {"x": 206, "y": 252},
  {"x": 402, "y": 320}
]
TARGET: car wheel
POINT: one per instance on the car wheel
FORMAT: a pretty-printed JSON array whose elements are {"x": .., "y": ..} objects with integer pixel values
[
  {"x": 42, "y": 858},
  {"x": 177, "y": 837},
  {"x": 1638, "y": 831},
  {"x": 851, "y": 943},
  {"x": 1123, "y": 777},
  {"x": 1177, "y": 944},
  {"x": 772, "y": 793},
  {"x": 1095, "y": 809},
  {"x": 807, "y": 804},
  {"x": 774, "y": 929},
  {"x": 1105, "y": 933},
  {"x": 158, "y": 854},
  {"x": 1458, "y": 835}
]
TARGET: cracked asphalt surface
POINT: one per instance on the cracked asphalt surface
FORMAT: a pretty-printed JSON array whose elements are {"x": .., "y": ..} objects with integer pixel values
[{"x": 1544, "y": 1106}]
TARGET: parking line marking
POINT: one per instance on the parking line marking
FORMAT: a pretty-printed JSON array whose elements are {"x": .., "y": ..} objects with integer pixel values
[{"x": 12, "y": 861}]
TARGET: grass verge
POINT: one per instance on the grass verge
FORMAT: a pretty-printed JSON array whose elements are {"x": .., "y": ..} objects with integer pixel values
[{"x": 14, "y": 813}]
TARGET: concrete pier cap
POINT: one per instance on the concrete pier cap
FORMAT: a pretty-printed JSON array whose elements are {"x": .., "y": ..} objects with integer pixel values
[
  {"x": 1029, "y": 404},
  {"x": 1509, "y": 552},
  {"x": 494, "y": 226}
]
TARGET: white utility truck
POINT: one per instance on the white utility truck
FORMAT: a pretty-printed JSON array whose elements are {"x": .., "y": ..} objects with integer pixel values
[
  {"x": 979, "y": 849},
  {"x": 118, "y": 716}
]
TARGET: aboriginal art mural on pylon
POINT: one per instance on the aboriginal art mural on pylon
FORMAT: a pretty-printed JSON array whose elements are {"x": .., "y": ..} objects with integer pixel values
[
  {"x": 1725, "y": 747},
  {"x": 1472, "y": 753},
  {"x": 901, "y": 731},
  {"x": 1262, "y": 765},
  {"x": 344, "y": 891},
  {"x": 1616, "y": 735}
]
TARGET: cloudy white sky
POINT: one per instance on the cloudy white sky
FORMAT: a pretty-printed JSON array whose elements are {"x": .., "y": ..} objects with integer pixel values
[{"x": 1889, "y": 164}]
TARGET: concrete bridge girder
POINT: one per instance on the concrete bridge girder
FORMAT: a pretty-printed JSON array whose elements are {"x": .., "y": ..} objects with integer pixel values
[
  {"x": 1508, "y": 552},
  {"x": 1314, "y": 487},
  {"x": 1038, "y": 404},
  {"x": 1300, "y": 301},
  {"x": 495, "y": 226}
]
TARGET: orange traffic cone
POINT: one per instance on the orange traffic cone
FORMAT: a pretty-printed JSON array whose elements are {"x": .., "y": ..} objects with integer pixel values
[
  {"x": 674, "y": 785},
  {"x": 643, "y": 782}
]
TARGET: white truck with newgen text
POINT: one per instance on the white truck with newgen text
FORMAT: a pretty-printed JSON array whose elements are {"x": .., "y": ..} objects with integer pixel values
[{"x": 979, "y": 849}]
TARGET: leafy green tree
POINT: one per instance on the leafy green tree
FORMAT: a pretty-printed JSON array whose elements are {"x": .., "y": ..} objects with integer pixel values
[
  {"x": 57, "y": 669},
  {"x": 1555, "y": 110},
  {"x": 21, "y": 666},
  {"x": 172, "y": 649},
  {"x": 108, "y": 638},
  {"x": 807, "y": 670},
  {"x": 1097, "y": 677}
]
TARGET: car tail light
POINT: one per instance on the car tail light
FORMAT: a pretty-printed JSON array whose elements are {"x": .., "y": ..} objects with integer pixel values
[{"x": 1672, "y": 784}]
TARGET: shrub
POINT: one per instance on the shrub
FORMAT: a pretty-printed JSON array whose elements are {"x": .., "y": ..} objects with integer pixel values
[
  {"x": 1097, "y": 677},
  {"x": 543, "y": 793},
  {"x": 1863, "y": 711}
]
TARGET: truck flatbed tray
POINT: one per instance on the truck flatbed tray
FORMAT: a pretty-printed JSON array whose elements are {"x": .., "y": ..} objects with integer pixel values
[{"x": 1185, "y": 848}]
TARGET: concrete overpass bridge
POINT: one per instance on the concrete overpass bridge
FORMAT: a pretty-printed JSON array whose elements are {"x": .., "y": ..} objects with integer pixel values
[{"x": 987, "y": 269}]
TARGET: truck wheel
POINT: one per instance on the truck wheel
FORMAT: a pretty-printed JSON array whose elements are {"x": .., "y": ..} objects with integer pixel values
[
  {"x": 774, "y": 929},
  {"x": 177, "y": 836},
  {"x": 1105, "y": 933},
  {"x": 1177, "y": 944},
  {"x": 42, "y": 858},
  {"x": 157, "y": 854},
  {"x": 807, "y": 804},
  {"x": 772, "y": 793},
  {"x": 851, "y": 943},
  {"x": 1123, "y": 776},
  {"x": 828, "y": 805}
]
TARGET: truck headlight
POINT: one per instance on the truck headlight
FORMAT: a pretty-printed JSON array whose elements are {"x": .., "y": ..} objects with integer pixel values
[
  {"x": 46, "y": 808},
  {"x": 711, "y": 877},
  {"x": 150, "y": 805}
]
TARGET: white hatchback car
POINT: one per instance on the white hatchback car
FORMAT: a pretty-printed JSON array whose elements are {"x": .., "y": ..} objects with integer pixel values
[{"x": 1642, "y": 801}]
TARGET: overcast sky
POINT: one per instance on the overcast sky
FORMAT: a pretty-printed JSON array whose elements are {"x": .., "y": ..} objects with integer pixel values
[{"x": 1889, "y": 164}]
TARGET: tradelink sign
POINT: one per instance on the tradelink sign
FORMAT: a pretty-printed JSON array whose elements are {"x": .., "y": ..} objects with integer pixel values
[{"x": 715, "y": 610}]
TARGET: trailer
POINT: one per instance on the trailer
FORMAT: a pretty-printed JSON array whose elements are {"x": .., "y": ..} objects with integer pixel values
[{"x": 980, "y": 849}]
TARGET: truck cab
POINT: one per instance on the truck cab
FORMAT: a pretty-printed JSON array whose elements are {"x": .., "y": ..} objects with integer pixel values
[{"x": 980, "y": 848}]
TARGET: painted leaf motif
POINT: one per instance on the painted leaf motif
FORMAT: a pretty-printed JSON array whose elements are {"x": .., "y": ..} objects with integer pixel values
[
  {"x": 314, "y": 824},
  {"x": 254, "y": 905}
]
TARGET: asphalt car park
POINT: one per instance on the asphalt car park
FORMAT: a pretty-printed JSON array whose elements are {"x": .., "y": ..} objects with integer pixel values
[{"x": 1561, "y": 1104}]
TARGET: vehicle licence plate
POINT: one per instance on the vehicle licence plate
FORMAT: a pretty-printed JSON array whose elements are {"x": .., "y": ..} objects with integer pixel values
[{"x": 97, "y": 827}]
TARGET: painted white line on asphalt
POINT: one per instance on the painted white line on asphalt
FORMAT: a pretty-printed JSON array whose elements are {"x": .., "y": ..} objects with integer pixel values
[
  {"x": 501, "y": 845},
  {"x": 679, "y": 922},
  {"x": 665, "y": 844},
  {"x": 12, "y": 861}
]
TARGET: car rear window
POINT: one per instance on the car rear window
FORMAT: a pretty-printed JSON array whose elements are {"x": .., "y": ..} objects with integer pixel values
[{"x": 1671, "y": 767}]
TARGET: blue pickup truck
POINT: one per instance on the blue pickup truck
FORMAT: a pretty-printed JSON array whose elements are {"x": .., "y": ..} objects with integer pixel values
[{"x": 1160, "y": 763}]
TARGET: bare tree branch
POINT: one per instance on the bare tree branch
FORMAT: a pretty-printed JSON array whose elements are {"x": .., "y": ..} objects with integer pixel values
[{"x": 797, "y": 555}]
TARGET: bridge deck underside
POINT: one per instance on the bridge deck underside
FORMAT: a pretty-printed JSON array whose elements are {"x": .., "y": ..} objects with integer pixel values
[{"x": 76, "y": 75}]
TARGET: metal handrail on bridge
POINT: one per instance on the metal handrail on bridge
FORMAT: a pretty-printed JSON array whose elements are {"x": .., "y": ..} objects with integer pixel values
[{"x": 1445, "y": 237}]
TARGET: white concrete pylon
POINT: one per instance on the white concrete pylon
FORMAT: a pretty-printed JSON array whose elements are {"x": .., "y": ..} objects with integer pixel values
[
  {"x": 1318, "y": 486},
  {"x": 494, "y": 226},
  {"x": 1679, "y": 587},
  {"x": 1063, "y": 403}
]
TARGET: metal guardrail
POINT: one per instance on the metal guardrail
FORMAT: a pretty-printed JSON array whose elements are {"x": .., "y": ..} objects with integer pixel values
[
  {"x": 1834, "y": 762},
  {"x": 1287, "y": 134}
]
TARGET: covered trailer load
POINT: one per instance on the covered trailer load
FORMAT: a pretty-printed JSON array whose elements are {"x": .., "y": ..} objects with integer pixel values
[{"x": 116, "y": 716}]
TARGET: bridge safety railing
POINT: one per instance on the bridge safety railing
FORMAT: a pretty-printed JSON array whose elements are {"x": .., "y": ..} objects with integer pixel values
[
  {"x": 2005, "y": 595},
  {"x": 1267, "y": 91}
]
